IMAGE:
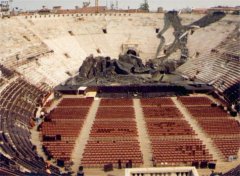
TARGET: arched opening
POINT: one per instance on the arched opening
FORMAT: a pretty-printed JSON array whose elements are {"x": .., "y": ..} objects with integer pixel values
[{"x": 132, "y": 52}]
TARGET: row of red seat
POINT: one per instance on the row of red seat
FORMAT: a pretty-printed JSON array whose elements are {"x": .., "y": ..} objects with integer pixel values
[
  {"x": 18, "y": 102},
  {"x": 220, "y": 126},
  {"x": 113, "y": 135},
  {"x": 228, "y": 146},
  {"x": 217, "y": 124},
  {"x": 98, "y": 153},
  {"x": 157, "y": 101},
  {"x": 191, "y": 101},
  {"x": 169, "y": 128},
  {"x": 114, "y": 113},
  {"x": 76, "y": 102},
  {"x": 179, "y": 151},
  {"x": 60, "y": 149},
  {"x": 63, "y": 128},
  {"x": 180, "y": 145},
  {"x": 108, "y": 122},
  {"x": 206, "y": 111},
  {"x": 161, "y": 112},
  {"x": 64, "y": 124},
  {"x": 116, "y": 102},
  {"x": 78, "y": 111}
]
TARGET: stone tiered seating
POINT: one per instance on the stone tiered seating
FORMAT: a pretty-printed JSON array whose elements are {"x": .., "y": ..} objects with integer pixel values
[
  {"x": 200, "y": 42},
  {"x": 218, "y": 125},
  {"x": 62, "y": 126},
  {"x": 113, "y": 135},
  {"x": 17, "y": 107},
  {"x": 15, "y": 39},
  {"x": 30, "y": 54},
  {"x": 220, "y": 65}
]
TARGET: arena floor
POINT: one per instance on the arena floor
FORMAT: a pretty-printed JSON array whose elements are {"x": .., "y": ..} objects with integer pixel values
[{"x": 221, "y": 165}]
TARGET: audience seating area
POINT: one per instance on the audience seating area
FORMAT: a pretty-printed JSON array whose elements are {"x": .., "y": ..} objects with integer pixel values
[
  {"x": 76, "y": 102},
  {"x": 172, "y": 138},
  {"x": 9, "y": 167},
  {"x": 62, "y": 126},
  {"x": 160, "y": 128},
  {"x": 114, "y": 129},
  {"x": 17, "y": 107},
  {"x": 178, "y": 151},
  {"x": 219, "y": 66},
  {"x": 196, "y": 101},
  {"x": 157, "y": 102},
  {"x": 99, "y": 153},
  {"x": 30, "y": 62},
  {"x": 116, "y": 102},
  {"x": 126, "y": 113},
  {"x": 228, "y": 146},
  {"x": 113, "y": 135},
  {"x": 216, "y": 122},
  {"x": 161, "y": 113}
]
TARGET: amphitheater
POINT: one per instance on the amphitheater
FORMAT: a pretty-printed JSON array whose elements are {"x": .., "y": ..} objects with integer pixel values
[{"x": 45, "y": 131}]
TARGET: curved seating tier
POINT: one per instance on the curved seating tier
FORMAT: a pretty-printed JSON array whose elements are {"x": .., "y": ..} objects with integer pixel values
[
  {"x": 218, "y": 66},
  {"x": 9, "y": 167},
  {"x": 17, "y": 107}
]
